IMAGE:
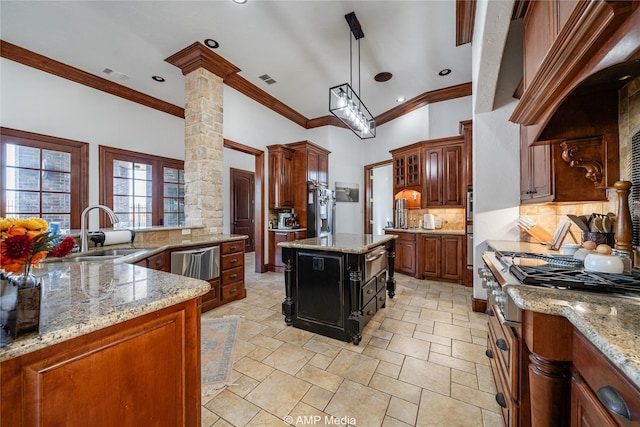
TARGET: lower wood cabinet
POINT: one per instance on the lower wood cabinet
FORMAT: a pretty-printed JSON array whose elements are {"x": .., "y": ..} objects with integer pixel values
[
  {"x": 405, "y": 261},
  {"x": 141, "y": 372},
  {"x": 275, "y": 252},
  {"x": 441, "y": 256}
]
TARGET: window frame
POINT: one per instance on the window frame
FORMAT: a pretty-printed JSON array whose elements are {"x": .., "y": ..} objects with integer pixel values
[
  {"x": 79, "y": 171},
  {"x": 106, "y": 157}
]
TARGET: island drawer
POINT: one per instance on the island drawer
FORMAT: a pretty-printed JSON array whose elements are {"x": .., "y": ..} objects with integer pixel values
[
  {"x": 369, "y": 291},
  {"x": 232, "y": 260},
  {"x": 368, "y": 311},
  {"x": 504, "y": 346},
  {"x": 231, "y": 291},
  {"x": 381, "y": 280},
  {"x": 605, "y": 380},
  {"x": 231, "y": 247},
  {"x": 382, "y": 299},
  {"x": 232, "y": 275}
]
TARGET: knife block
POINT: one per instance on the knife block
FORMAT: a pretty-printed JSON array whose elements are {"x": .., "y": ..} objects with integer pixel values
[{"x": 599, "y": 238}]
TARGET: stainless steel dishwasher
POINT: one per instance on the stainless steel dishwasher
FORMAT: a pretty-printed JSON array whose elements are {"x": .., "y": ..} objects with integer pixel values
[{"x": 201, "y": 263}]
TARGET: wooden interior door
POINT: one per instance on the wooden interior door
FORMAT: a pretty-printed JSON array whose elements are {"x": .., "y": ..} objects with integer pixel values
[{"x": 242, "y": 203}]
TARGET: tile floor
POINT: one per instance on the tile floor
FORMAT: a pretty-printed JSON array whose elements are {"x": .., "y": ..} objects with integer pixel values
[{"x": 421, "y": 362}]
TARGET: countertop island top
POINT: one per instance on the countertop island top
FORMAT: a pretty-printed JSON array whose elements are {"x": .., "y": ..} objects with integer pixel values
[
  {"x": 341, "y": 242},
  {"x": 610, "y": 322}
]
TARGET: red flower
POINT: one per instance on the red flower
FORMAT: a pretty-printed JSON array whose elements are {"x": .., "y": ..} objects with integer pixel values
[
  {"x": 17, "y": 247},
  {"x": 64, "y": 248}
]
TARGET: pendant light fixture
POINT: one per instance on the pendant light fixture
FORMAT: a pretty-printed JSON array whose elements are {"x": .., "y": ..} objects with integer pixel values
[{"x": 344, "y": 102}]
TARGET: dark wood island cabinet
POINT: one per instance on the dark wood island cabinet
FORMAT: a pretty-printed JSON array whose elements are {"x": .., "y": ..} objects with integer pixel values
[{"x": 334, "y": 285}]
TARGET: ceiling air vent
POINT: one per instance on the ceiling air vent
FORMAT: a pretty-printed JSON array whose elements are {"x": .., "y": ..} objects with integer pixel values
[
  {"x": 115, "y": 74},
  {"x": 267, "y": 79}
]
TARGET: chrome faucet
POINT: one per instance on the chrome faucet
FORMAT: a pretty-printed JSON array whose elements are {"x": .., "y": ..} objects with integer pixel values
[{"x": 84, "y": 237}]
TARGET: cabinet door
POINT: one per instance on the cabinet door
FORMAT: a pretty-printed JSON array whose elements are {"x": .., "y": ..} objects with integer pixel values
[
  {"x": 451, "y": 261},
  {"x": 413, "y": 169},
  {"x": 298, "y": 235},
  {"x": 313, "y": 162},
  {"x": 452, "y": 175},
  {"x": 586, "y": 410},
  {"x": 405, "y": 257},
  {"x": 541, "y": 172},
  {"x": 433, "y": 177},
  {"x": 399, "y": 179},
  {"x": 286, "y": 192},
  {"x": 431, "y": 256},
  {"x": 323, "y": 169},
  {"x": 277, "y": 238}
]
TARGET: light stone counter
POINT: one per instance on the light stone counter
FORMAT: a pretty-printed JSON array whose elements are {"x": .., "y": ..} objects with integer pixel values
[
  {"x": 424, "y": 231},
  {"x": 79, "y": 298},
  {"x": 345, "y": 243},
  {"x": 611, "y": 323}
]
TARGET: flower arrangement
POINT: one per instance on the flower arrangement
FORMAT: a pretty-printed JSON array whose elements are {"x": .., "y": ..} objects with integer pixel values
[{"x": 26, "y": 241}]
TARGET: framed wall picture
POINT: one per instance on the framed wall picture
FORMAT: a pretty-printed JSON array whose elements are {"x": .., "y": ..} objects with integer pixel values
[{"x": 347, "y": 192}]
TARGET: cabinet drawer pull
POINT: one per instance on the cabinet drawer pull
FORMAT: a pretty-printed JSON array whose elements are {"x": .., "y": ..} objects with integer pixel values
[
  {"x": 232, "y": 260},
  {"x": 612, "y": 400},
  {"x": 502, "y": 344},
  {"x": 489, "y": 353},
  {"x": 233, "y": 248},
  {"x": 159, "y": 262},
  {"x": 370, "y": 312},
  {"x": 500, "y": 400},
  {"x": 489, "y": 312},
  {"x": 233, "y": 276},
  {"x": 233, "y": 291},
  {"x": 369, "y": 291}
]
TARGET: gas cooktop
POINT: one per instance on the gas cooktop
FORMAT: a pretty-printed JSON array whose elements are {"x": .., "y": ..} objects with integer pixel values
[{"x": 564, "y": 272}]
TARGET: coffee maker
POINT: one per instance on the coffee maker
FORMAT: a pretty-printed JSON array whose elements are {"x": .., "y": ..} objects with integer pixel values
[
  {"x": 285, "y": 220},
  {"x": 400, "y": 214}
]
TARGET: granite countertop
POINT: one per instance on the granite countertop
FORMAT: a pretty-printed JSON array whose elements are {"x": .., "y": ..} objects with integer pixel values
[
  {"x": 425, "y": 231},
  {"x": 341, "y": 242},
  {"x": 287, "y": 230},
  {"x": 611, "y": 323},
  {"x": 82, "y": 297}
]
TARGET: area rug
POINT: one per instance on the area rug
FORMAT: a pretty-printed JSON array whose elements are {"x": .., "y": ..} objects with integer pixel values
[{"x": 218, "y": 336}]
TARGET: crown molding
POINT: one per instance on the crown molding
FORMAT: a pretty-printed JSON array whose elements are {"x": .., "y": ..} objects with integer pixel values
[
  {"x": 57, "y": 68},
  {"x": 197, "y": 56},
  {"x": 465, "y": 17}
]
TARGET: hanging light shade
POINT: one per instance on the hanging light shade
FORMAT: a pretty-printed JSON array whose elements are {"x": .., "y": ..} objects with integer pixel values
[{"x": 344, "y": 102}]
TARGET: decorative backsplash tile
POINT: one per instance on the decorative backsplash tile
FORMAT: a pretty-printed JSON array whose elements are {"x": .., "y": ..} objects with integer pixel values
[{"x": 453, "y": 219}]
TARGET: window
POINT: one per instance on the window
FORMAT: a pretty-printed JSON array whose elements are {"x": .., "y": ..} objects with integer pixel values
[
  {"x": 143, "y": 189},
  {"x": 43, "y": 176}
]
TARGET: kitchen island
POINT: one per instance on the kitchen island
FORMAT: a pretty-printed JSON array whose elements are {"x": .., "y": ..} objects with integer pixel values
[
  {"x": 118, "y": 344},
  {"x": 335, "y": 284}
]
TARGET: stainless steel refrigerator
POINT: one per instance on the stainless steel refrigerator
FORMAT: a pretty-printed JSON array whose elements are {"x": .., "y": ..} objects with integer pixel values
[{"x": 321, "y": 211}]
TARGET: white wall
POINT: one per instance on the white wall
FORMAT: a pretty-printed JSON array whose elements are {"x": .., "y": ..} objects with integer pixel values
[{"x": 382, "y": 191}]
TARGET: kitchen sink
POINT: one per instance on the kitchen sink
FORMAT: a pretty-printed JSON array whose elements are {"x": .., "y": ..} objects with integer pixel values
[{"x": 102, "y": 255}]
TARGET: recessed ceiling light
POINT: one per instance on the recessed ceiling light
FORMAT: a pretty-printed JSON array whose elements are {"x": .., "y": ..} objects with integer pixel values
[
  {"x": 626, "y": 77},
  {"x": 401, "y": 99},
  {"x": 158, "y": 79},
  {"x": 212, "y": 43},
  {"x": 240, "y": 1},
  {"x": 445, "y": 72},
  {"x": 383, "y": 77}
]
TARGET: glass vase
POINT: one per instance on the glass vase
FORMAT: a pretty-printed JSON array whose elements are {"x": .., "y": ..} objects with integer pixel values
[{"x": 21, "y": 310}]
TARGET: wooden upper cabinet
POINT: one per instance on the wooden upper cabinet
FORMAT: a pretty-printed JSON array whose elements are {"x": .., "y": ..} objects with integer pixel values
[
  {"x": 280, "y": 177},
  {"x": 407, "y": 169},
  {"x": 311, "y": 162},
  {"x": 443, "y": 175}
]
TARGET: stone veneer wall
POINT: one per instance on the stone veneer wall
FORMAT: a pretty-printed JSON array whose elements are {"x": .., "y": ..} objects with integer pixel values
[
  {"x": 204, "y": 144},
  {"x": 548, "y": 216}
]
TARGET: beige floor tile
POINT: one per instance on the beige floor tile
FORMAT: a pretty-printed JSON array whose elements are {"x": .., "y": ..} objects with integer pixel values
[
  {"x": 320, "y": 361},
  {"x": 294, "y": 336},
  {"x": 485, "y": 379},
  {"x": 353, "y": 366},
  {"x": 347, "y": 402},
  {"x": 397, "y": 327},
  {"x": 403, "y": 410},
  {"x": 279, "y": 393},
  {"x": 207, "y": 418},
  {"x": 379, "y": 333},
  {"x": 289, "y": 358},
  {"x": 425, "y": 326},
  {"x": 491, "y": 419},
  {"x": 241, "y": 349},
  {"x": 222, "y": 423},
  {"x": 437, "y": 410},
  {"x": 241, "y": 384},
  {"x": 259, "y": 353},
  {"x": 439, "y": 348},
  {"x": 248, "y": 329},
  {"x": 427, "y": 375},
  {"x": 252, "y": 368},
  {"x": 464, "y": 378},
  {"x": 393, "y": 387},
  {"x": 319, "y": 377},
  {"x": 475, "y": 397},
  {"x": 409, "y": 347},
  {"x": 385, "y": 355},
  {"x": 317, "y": 397},
  {"x": 306, "y": 415},
  {"x": 392, "y": 422},
  {"x": 233, "y": 408},
  {"x": 425, "y": 336},
  {"x": 322, "y": 347},
  {"x": 388, "y": 369},
  {"x": 468, "y": 351},
  {"x": 265, "y": 419},
  {"x": 393, "y": 313},
  {"x": 378, "y": 342},
  {"x": 452, "y": 362},
  {"x": 266, "y": 342},
  {"x": 452, "y": 331}
]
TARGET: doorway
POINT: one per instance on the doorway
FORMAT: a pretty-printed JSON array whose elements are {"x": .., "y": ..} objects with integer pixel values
[
  {"x": 378, "y": 188},
  {"x": 242, "y": 206}
]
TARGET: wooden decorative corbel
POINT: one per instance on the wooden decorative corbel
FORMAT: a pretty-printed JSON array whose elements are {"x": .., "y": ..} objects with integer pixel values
[{"x": 571, "y": 153}]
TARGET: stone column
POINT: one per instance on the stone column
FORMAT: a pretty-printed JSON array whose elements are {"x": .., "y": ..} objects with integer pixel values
[
  {"x": 203, "y": 143},
  {"x": 204, "y": 73}
]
